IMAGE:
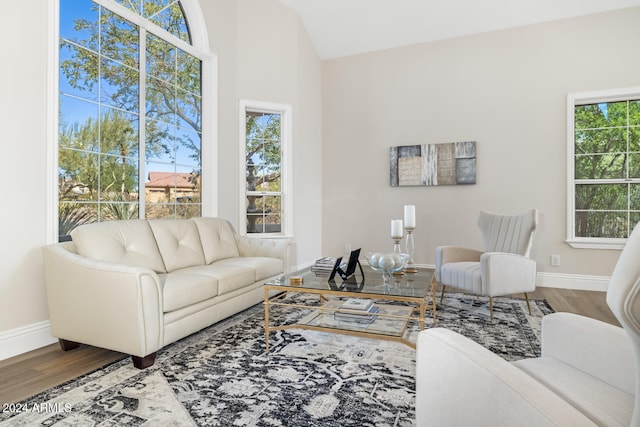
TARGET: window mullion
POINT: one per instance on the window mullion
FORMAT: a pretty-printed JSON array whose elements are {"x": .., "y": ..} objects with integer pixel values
[{"x": 142, "y": 116}]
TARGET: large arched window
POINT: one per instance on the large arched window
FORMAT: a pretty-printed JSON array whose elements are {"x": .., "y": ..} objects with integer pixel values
[{"x": 130, "y": 124}]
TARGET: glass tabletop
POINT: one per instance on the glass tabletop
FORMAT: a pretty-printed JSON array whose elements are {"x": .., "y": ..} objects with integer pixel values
[{"x": 371, "y": 282}]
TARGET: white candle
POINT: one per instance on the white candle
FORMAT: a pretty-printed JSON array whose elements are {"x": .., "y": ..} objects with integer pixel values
[
  {"x": 396, "y": 228},
  {"x": 410, "y": 216}
]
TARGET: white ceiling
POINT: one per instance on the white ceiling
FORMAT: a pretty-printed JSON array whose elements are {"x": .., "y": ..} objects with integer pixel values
[{"x": 347, "y": 27}]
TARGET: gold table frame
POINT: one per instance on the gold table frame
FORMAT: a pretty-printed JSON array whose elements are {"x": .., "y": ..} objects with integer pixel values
[{"x": 325, "y": 295}]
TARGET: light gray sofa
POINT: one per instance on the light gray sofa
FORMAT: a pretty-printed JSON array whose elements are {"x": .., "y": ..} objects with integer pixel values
[{"x": 135, "y": 286}]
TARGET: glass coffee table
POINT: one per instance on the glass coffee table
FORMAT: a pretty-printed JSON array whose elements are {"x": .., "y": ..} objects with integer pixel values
[{"x": 404, "y": 300}]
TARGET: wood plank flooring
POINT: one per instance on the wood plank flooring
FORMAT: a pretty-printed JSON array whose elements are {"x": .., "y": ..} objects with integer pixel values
[{"x": 31, "y": 373}]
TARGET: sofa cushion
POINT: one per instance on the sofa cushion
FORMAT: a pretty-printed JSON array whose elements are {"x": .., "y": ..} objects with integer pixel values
[
  {"x": 184, "y": 288},
  {"x": 230, "y": 277},
  {"x": 129, "y": 242},
  {"x": 217, "y": 237},
  {"x": 601, "y": 402},
  {"x": 264, "y": 267},
  {"x": 179, "y": 243}
]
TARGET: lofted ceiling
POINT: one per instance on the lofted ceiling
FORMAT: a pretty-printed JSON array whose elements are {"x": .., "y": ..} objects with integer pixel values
[{"x": 347, "y": 27}]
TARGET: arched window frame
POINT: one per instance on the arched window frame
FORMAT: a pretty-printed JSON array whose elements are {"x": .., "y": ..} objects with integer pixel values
[{"x": 199, "y": 48}]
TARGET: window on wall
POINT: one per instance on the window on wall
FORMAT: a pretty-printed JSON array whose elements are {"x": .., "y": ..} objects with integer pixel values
[
  {"x": 604, "y": 169},
  {"x": 130, "y": 112},
  {"x": 265, "y": 144}
]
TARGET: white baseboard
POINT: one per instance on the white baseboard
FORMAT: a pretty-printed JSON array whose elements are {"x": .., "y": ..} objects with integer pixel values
[
  {"x": 573, "y": 281},
  {"x": 24, "y": 339}
]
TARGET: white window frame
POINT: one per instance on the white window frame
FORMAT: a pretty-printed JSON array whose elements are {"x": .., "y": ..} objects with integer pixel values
[
  {"x": 199, "y": 48},
  {"x": 286, "y": 134},
  {"x": 574, "y": 99}
]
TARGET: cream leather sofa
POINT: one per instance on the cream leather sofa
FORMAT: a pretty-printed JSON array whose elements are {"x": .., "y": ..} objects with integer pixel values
[{"x": 135, "y": 286}]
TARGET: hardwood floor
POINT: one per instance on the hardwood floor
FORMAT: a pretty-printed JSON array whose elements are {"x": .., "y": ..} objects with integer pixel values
[{"x": 31, "y": 373}]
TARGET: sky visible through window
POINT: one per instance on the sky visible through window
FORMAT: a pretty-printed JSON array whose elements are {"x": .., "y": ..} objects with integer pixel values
[{"x": 78, "y": 104}]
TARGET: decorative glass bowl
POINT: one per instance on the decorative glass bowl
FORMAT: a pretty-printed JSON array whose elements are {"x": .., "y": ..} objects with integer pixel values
[{"x": 387, "y": 264}]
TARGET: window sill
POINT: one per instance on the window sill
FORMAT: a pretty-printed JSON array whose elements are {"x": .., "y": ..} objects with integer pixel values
[
  {"x": 268, "y": 236},
  {"x": 614, "y": 244}
]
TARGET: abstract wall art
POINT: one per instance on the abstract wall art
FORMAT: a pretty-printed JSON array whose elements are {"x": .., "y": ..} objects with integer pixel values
[{"x": 433, "y": 164}]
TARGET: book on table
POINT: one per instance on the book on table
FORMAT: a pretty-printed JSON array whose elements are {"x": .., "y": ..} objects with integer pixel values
[
  {"x": 357, "y": 304},
  {"x": 325, "y": 265},
  {"x": 357, "y": 310}
]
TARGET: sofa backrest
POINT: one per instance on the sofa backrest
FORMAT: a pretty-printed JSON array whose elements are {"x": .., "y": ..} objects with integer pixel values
[
  {"x": 129, "y": 242},
  {"x": 179, "y": 243},
  {"x": 163, "y": 245},
  {"x": 217, "y": 238}
]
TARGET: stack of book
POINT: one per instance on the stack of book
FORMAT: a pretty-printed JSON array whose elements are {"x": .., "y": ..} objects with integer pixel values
[
  {"x": 357, "y": 310},
  {"x": 324, "y": 266}
]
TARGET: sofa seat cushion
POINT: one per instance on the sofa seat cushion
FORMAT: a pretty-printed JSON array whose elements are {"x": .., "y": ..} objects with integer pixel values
[
  {"x": 601, "y": 402},
  {"x": 184, "y": 288},
  {"x": 463, "y": 275},
  {"x": 264, "y": 267},
  {"x": 229, "y": 277}
]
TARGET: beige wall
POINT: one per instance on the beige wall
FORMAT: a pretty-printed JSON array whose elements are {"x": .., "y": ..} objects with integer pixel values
[
  {"x": 266, "y": 55},
  {"x": 23, "y": 132},
  {"x": 263, "y": 53},
  {"x": 507, "y": 91}
]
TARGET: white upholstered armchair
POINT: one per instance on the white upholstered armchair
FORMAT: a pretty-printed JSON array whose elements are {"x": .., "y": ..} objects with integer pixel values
[
  {"x": 503, "y": 268},
  {"x": 587, "y": 374}
]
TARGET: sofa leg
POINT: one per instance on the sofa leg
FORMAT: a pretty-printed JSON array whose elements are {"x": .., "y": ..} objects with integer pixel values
[
  {"x": 442, "y": 294},
  {"x": 67, "y": 345},
  {"x": 144, "y": 362},
  {"x": 491, "y": 307}
]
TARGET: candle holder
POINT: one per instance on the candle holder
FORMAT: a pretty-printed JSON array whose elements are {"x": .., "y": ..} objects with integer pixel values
[
  {"x": 397, "y": 250},
  {"x": 396, "y": 244},
  {"x": 410, "y": 250}
]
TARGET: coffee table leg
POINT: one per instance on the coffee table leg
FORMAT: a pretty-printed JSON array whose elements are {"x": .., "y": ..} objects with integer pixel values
[{"x": 266, "y": 319}]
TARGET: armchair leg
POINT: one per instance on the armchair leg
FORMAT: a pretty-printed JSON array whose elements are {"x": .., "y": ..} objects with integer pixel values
[
  {"x": 526, "y": 296},
  {"x": 491, "y": 307},
  {"x": 442, "y": 294}
]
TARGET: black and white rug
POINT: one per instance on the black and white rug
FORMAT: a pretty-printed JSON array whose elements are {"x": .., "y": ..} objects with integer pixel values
[{"x": 221, "y": 376}]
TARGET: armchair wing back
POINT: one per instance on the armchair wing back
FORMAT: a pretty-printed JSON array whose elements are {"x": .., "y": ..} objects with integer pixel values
[
  {"x": 508, "y": 233},
  {"x": 623, "y": 298}
]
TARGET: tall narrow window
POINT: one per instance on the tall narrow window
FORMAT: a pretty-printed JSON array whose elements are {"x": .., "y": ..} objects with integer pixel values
[
  {"x": 265, "y": 143},
  {"x": 604, "y": 132},
  {"x": 130, "y": 127}
]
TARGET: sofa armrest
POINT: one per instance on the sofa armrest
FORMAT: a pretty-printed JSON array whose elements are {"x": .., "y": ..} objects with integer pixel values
[
  {"x": 447, "y": 254},
  {"x": 506, "y": 273},
  {"x": 600, "y": 349},
  {"x": 460, "y": 383},
  {"x": 107, "y": 305}
]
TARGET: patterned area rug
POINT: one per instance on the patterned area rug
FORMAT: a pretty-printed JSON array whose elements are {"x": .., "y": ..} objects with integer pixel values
[{"x": 221, "y": 376}]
